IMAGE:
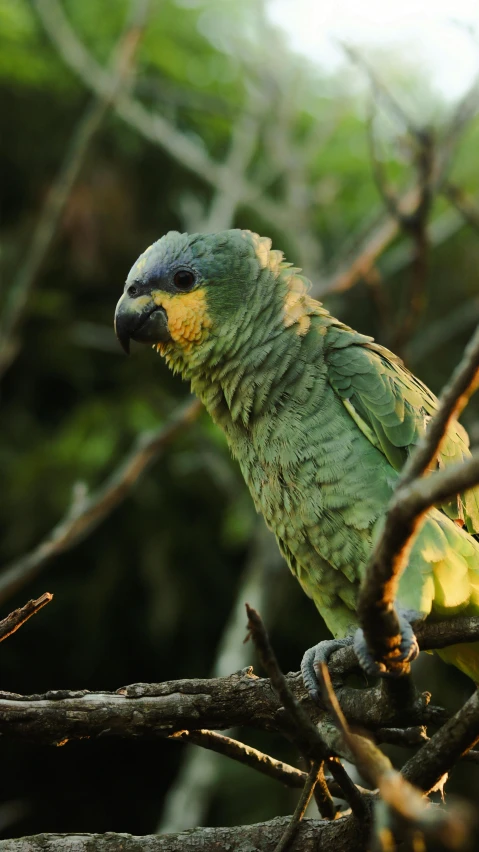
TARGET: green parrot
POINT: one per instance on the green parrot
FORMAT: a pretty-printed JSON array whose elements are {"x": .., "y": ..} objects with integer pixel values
[{"x": 320, "y": 418}]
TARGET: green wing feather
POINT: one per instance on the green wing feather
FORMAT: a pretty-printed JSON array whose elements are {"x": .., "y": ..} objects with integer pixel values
[{"x": 392, "y": 407}]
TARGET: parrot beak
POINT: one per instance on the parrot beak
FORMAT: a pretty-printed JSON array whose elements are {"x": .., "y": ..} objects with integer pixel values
[{"x": 142, "y": 320}]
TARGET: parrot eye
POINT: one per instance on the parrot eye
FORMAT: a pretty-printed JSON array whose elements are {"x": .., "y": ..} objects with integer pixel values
[
  {"x": 132, "y": 291},
  {"x": 184, "y": 280}
]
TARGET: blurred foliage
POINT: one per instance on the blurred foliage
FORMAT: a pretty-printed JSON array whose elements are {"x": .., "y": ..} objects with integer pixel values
[{"x": 147, "y": 595}]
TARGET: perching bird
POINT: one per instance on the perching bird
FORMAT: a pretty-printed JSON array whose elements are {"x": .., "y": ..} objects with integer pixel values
[{"x": 319, "y": 417}]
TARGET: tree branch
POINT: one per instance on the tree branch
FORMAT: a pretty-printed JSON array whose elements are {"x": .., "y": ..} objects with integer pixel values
[
  {"x": 264, "y": 763},
  {"x": 342, "y": 835},
  {"x": 87, "y": 513},
  {"x": 239, "y": 699},
  {"x": 350, "y": 271},
  {"x": 15, "y": 619}
]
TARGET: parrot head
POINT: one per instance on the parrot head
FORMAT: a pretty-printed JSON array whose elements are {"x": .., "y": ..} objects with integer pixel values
[{"x": 195, "y": 297}]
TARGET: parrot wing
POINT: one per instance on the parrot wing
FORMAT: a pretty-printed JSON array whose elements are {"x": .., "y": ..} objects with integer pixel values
[{"x": 392, "y": 408}]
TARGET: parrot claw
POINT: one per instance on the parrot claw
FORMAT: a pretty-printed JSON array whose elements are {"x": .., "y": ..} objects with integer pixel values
[
  {"x": 406, "y": 652},
  {"x": 316, "y": 655}
]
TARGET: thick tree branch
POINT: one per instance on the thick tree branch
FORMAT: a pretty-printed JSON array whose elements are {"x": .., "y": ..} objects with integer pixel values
[
  {"x": 88, "y": 512},
  {"x": 19, "y": 616},
  {"x": 160, "y": 710},
  {"x": 342, "y": 835},
  {"x": 240, "y": 699}
]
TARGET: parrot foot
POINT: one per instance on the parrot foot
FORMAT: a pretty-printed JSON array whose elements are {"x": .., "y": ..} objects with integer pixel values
[
  {"x": 405, "y": 652},
  {"x": 316, "y": 655}
]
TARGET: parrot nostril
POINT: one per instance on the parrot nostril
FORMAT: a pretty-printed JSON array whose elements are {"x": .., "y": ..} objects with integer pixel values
[{"x": 132, "y": 291}]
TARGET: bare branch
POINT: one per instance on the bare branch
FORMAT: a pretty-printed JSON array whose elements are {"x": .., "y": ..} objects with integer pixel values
[
  {"x": 342, "y": 835},
  {"x": 243, "y": 143},
  {"x": 88, "y": 512},
  {"x": 240, "y": 699},
  {"x": 19, "y": 616},
  {"x": 158, "y": 710},
  {"x": 153, "y": 126},
  {"x": 48, "y": 223},
  {"x": 264, "y": 763}
]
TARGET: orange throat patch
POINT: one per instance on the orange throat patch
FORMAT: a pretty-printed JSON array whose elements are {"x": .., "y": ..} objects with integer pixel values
[{"x": 188, "y": 318}]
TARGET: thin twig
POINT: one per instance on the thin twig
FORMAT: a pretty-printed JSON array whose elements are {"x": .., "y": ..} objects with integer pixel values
[
  {"x": 19, "y": 616},
  {"x": 87, "y": 513},
  {"x": 242, "y": 753},
  {"x": 50, "y": 216},
  {"x": 160, "y": 709},
  {"x": 301, "y": 808},
  {"x": 303, "y": 732}
]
